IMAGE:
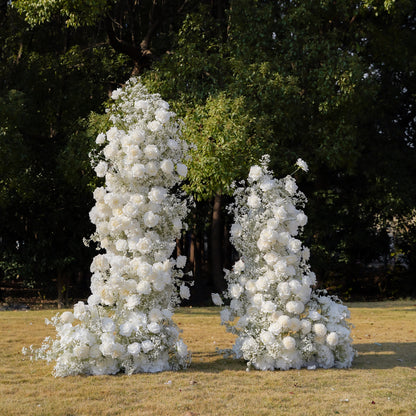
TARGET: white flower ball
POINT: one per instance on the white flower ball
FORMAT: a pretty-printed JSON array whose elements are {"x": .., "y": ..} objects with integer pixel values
[
  {"x": 262, "y": 284},
  {"x": 290, "y": 185},
  {"x": 138, "y": 170},
  {"x": 162, "y": 115},
  {"x": 267, "y": 185},
  {"x": 271, "y": 258},
  {"x": 122, "y": 245},
  {"x": 294, "y": 245},
  {"x": 154, "y": 126},
  {"x": 100, "y": 138},
  {"x": 101, "y": 169},
  {"x": 126, "y": 329},
  {"x": 332, "y": 339},
  {"x": 216, "y": 299},
  {"x": 314, "y": 315},
  {"x": 289, "y": 343},
  {"x": 295, "y": 307},
  {"x": 236, "y": 290},
  {"x": 154, "y": 327},
  {"x": 305, "y": 326},
  {"x": 283, "y": 321},
  {"x": 67, "y": 317},
  {"x": 147, "y": 346},
  {"x": 181, "y": 262},
  {"x": 256, "y": 172},
  {"x": 239, "y": 266},
  {"x": 267, "y": 337},
  {"x": 173, "y": 144},
  {"x": 144, "y": 287},
  {"x": 167, "y": 167},
  {"x": 152, "y": 168},
  {"x": 236, "y": 230},
  {"x": 319, "y": 329},
  {"x": 225, "y": 315},
  {"x": 302, "y": 219},
  {"x": 150, "y": 219},
  {"x": 134, "y": 349},
  {"x": 157, "y": 194},
  {"x": 302, "y": 165},
  {"x": 108, "y": 325},
  {"x": 268, "y": 307},
  {"x": 181, "y": 348},
  {"x": 182, "y": 170},
  {"x": 253, "y": 201},
  {"x": 151, "y": 151},
  {"x": 184, "y": 292},
  {"x": 132, "y": 301}
]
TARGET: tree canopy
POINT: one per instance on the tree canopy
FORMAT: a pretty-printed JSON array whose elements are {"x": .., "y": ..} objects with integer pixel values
[{"x": 330, "y": 82}]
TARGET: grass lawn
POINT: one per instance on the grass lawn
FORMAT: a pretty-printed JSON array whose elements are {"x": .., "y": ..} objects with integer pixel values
[{"x": 382, "y": 380}]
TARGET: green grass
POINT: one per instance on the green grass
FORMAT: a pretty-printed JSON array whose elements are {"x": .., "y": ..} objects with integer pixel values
[{"x": 382, "y": 380}]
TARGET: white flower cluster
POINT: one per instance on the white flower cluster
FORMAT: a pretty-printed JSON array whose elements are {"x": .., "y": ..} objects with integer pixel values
[
  {"x": 279, "y": 321},
  {"x": 127, "y": 323}
]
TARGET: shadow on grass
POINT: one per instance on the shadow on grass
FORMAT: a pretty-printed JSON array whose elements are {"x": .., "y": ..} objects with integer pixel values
[
  {"x": 371, "y": 356},
  {"x": 385, "y": 355}
]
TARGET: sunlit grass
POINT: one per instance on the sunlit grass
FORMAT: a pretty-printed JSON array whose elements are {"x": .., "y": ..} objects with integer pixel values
[{"x": 382, "y": 380}]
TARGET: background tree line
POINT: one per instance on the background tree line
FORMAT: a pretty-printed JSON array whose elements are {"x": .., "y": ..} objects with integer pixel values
[{"x": 332, "y": 82}]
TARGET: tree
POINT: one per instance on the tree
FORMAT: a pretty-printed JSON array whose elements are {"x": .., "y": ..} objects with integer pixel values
[
  {"x": 315, "y": 80},
  {"x": 141, "y": 30},
  {"x": 52, "y": 77}
]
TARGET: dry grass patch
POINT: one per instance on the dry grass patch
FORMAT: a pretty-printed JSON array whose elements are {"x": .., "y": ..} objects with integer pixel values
[{"x": 382, "y": 380}]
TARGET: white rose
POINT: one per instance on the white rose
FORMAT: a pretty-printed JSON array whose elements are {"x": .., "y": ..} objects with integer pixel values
[
  {"x": 134, "y": 349},
  {"x": 167, "y": 166},
  {"x": 157, "y": 194},
  {"x": 182, "y": 170},
  {"x": 152, "y": 168},
  {"x": 181, "y": 262},
  {"x": 150, "y": 219},
  {"x": 184, "y": 292},
  {"x": 162, "y": 115},
  {"x": 332, "y": 339},
  {"x": 154, "y": 327},
  {"x": 138, "y": 170},
  {"x": 289, "y": 343},
  {"x": 147, "y": 346},
  {"x": 253, "y": 201},
  {"x": 144, "y": 288},
  {"x": 100, "y": 138},
  {"x": 256, "y": 172},
  {"x": 236, "y": 230},
  {"x": 151, "y": 151},
  {"x": 267, "y": 337},
  {"x": 101, "y": 169},
  {"x": 216, "y": 299},
  {"x": 319, "y": 329},
  {"x": 295, "y": 307},
  {"x": 302, "y": 165},
  {"x": 67, "y": 317}
]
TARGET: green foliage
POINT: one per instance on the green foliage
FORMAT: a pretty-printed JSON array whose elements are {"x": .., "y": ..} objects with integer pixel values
[
  {"x": 52, "y": 78},
  {"x": 330, "y": 82},
  {"x": 76, "y": 13}
]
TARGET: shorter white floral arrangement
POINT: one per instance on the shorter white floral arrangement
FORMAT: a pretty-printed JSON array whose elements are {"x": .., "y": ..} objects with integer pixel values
[
  {"x": 280, "y": 322},
  {"x": 126, "y": 325}
]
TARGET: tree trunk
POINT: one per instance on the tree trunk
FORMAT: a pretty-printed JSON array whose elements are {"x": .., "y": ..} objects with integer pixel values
[
  {"x": 62, "y": 282},
  {"x": 216, "y": 260}
]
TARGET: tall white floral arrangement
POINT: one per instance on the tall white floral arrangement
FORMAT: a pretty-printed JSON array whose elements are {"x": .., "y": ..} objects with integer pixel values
[
  {"x": 279, "y": 320},
  {"x": 127, "y": 326}
]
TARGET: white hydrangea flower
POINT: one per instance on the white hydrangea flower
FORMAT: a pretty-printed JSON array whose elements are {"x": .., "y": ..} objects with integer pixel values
[{"x": 302, "y": 165}]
